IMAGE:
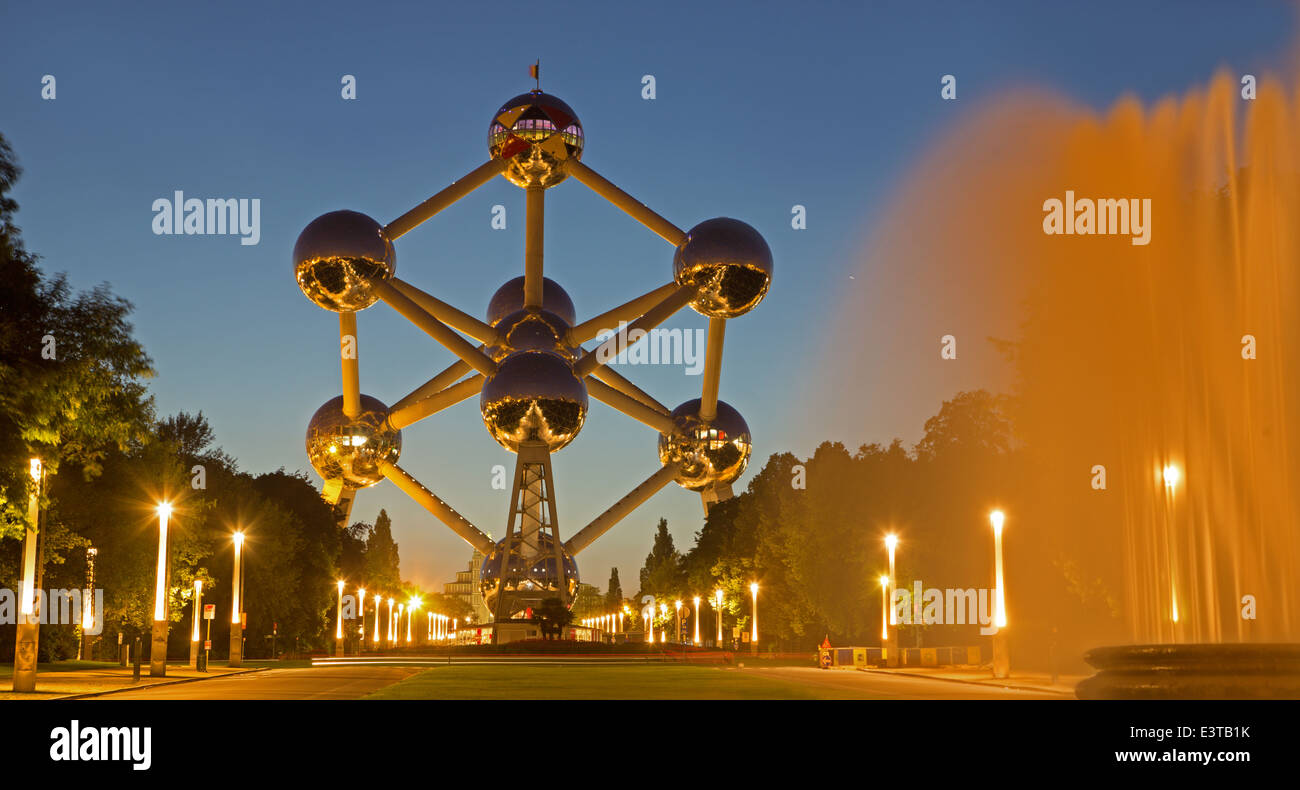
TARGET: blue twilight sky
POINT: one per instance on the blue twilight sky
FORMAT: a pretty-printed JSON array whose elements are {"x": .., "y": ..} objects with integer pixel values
[{"x": 760, "y": 106}]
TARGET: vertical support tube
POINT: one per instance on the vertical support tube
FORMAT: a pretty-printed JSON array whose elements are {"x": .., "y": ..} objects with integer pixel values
[
  {"x": 350, "y": 364},
  {"x": 533, "y": 236},
  {"x": 712, "y": 369}
]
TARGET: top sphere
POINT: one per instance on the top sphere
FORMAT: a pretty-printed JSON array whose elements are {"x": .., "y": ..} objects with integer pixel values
[
  {"x": 731, "y": 264},
  {"x": 509, "y": 298},
  {"x": 535, "y": 133},
  {"x": 336, "y": 257}
]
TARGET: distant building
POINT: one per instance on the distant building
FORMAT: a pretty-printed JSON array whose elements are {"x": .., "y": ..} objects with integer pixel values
[{"x": 467, "y": 588}]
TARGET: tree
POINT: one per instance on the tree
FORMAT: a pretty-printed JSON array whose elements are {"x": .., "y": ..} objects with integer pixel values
[
  {"x": 70, "y": 370},
  {"x": 382, "y": 562},
  {"x": 551, "y": 616},
  {"x": 661, "y": 574},
  {"x": 588, "y": 601},
  {"x": 614, "y": 593}
]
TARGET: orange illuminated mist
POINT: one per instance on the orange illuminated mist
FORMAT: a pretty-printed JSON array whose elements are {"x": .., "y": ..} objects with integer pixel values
[{"x": 1130, "y": 356}]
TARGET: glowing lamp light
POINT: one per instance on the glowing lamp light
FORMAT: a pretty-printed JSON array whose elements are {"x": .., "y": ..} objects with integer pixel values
[
  {"x": 160, "y": 588},
  {"x": 996, "y": 518},
  {"x": 884, "y": 607},
  {"x": 35, "y": 469},
  {"x": 1171, "y": 476}
]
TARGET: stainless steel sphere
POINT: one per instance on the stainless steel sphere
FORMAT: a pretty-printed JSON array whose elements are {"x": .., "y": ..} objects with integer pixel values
[
  {"x": 509, "y": 298},
  {"x": 729, "y": 261},
  {"x": 529, "y": 330},
  {"x": 711, "y": 452},
  {"x": 533, "y": 396},
  {"x": 352, "y": 449},
  {"x": 529, "y": 577},
  {"x": 336, "y": 257},
  {"x": 536, "y": 134}
]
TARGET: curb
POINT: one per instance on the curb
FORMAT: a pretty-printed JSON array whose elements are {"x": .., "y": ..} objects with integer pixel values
[
  {"x": 163, "y": 683},
  {"x": 994, "y": 682}
]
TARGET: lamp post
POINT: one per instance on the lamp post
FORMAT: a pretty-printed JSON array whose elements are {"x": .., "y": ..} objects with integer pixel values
[
  {"x": 677, "y": 607},
  {"x": 361, "y": 612},
  {"x": 29, "y": 628},
  {"x": 237, "y": 604},
  {"x": 390, "y": 622},
  {"x": 194, "y": 631},
  {"x": 88, "y": 605},
  {"x": 696, "y": 600},
  {"x": 410, "y": 613},
  {"x": 717, "y": 610},
  {"x": 158, "y": 650},
  {"x": 1001, "y": 656},
  {"x": 379, "y": 600},
  {"x": 891, "y": 544},
  {"x": 338, "y": 631},
  {"x": 753, "y": 636},
  {"x": 650, "y": 621},
  {"x": 884, "y": 615}
]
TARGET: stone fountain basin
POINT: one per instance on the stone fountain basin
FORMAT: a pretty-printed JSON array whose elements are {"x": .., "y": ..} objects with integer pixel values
[{"x": 1194, "y": 671}]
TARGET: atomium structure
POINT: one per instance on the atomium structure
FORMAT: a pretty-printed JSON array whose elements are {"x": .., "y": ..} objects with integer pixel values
[{"x": 527, "y": 362}]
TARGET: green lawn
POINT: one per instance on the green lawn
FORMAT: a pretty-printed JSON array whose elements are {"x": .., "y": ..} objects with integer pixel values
[{"x": 507, "y": 682}]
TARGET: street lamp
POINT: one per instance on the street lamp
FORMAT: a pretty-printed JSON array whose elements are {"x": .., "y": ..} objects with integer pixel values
[
  {"x": 361, "y": 609},
  {"x": 410, "y": 612},
  {"x": 390, "y": 621},
  {"x": 891, "y": 543},
  {"x": 696, "y": 599},
  {"x": 1001, "y": 657},
  {"x": 677, "y": 607},
  {"x": 338, "y": 631},
  {"x": 158, "y": 653},
  {"x": 884, "y": 608},
  {"x": 237, "y": 604},
  {"x": 650, "y": 620},
  {"x": 717, "y": 610},
  {"x": 194, "y": 632},
  {"x": 28, "y": 636},
  {"x": 379, "y": 601},
  {"x": 753, "y": 637}
]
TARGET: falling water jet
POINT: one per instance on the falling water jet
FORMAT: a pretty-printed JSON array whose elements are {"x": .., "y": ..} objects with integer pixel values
[{"x": 1129, "y": 356}]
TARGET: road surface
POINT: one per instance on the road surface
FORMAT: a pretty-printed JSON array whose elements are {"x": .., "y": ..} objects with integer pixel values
[{"x": 352, "y": 681}]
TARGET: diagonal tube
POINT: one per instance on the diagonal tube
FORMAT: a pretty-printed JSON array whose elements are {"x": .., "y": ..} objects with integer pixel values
[
  {"x": 414, "y": 412},
  {"x": 633, "y": 207},
  {"x": 620, "y": 509},
  {"x": 629, "y": 311},
  {"x": 451, "y": 316},
  {"x": 440, "y": 509},
  {"x": 629, "y": 406},
  {"x": 450, "y": 194},
  {"x": 434, "y": 328},
  {"x": 655, "y": 316}
]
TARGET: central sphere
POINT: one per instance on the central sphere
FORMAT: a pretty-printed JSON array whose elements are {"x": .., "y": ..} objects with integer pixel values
[
  {"x": 530, "y": 575},
  {"x": 711, "y": 453},
  {"x": 536, "y": 134},
  {"x": 532, "y": 330},
  {"x": 533, "y": 397},
  {"x": 509, "y": 298},
  {"x": 351, "y": 450},
  {"x": 338, "y": 255}
]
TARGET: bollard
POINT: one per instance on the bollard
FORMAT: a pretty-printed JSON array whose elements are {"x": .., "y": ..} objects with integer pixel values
[{"x": 135, "y": 658}]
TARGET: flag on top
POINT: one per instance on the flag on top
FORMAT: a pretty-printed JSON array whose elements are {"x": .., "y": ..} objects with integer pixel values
[{"x": 535, "y": 71}]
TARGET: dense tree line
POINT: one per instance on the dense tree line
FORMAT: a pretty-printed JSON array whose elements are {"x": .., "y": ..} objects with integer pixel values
[{"x": 73, "y": 393}]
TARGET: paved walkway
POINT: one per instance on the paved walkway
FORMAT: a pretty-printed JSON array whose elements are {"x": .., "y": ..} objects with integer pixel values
[
  {"x": 1028, "y": 681},
  {"x": 82, "y": 682}
]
